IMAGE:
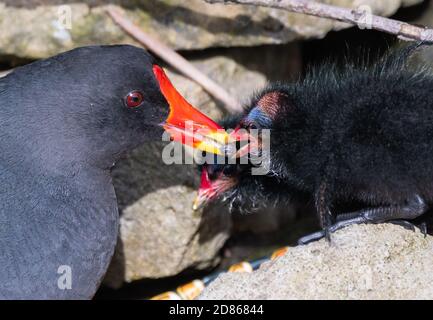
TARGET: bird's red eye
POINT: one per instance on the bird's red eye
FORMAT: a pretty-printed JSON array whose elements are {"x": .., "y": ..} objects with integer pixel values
[{"x": 134, "y": 99}]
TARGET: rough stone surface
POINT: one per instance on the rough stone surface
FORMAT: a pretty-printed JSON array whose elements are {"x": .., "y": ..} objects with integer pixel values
[
  {"x": 43, "y": 30},
  {"x": 161, "y": 236},
  {"x": 363, "y": 262},
  {"x": 237, "y": 79}
]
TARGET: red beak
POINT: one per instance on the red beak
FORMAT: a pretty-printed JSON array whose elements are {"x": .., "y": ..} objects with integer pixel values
[
  {"x": 209, "y": 190},
  {"x": 186, "y": 124}
]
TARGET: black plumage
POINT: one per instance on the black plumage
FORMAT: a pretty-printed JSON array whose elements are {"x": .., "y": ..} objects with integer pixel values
[
  {"x": 64, "y": 121},
  {"x": 359, "y": 137}
]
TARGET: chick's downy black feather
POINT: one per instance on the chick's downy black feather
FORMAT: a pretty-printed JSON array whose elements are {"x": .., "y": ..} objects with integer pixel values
[
  {"x": 63, "y": 124},
  {"x": 360, "y": 135}
]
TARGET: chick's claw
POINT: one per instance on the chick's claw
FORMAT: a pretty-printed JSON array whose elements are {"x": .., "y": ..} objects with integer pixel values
[{"x": 326, "y": 233}]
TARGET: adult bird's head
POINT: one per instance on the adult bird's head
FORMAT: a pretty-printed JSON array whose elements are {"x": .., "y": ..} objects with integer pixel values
[
  {"x": 236, "y": 183},
  {"x": 92, "y": 103},
  {"x": 99, "y": 101}
]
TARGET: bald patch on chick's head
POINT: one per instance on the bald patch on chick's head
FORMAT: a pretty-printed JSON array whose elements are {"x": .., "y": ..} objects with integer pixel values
[{"x": 266, "y": 109}]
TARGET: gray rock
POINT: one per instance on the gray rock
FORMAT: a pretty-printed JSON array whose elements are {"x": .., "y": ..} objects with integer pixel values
[
  {"x": 161, "y": 236},
  {"x": 363, "y": 262},
  {"x": 39, "y": 31}
]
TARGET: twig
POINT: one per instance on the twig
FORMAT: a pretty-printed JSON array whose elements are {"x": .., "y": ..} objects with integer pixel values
[
  {"x": 175, "y": 60},
  {"x": 358, "y": 17},
  {"x": 5, "y": 73}
]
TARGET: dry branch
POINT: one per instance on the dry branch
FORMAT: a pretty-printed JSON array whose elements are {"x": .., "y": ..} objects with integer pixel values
[
  {"x": 358, "y": 17},
  {"x": 175, "y": 60},
  {"x": 4, "y": 73}
]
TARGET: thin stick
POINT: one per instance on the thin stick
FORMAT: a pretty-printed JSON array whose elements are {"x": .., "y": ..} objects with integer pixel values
[
  {"x": 5, "y": 73},
  {"x": 360, "y": 17},
  {"x": 175, "y": 60}
]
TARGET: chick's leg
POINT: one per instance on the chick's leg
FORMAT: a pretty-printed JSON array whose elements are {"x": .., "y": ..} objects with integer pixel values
[
  {"x": 412, "y": 209},
  {"x": 322, "y": 203}
]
